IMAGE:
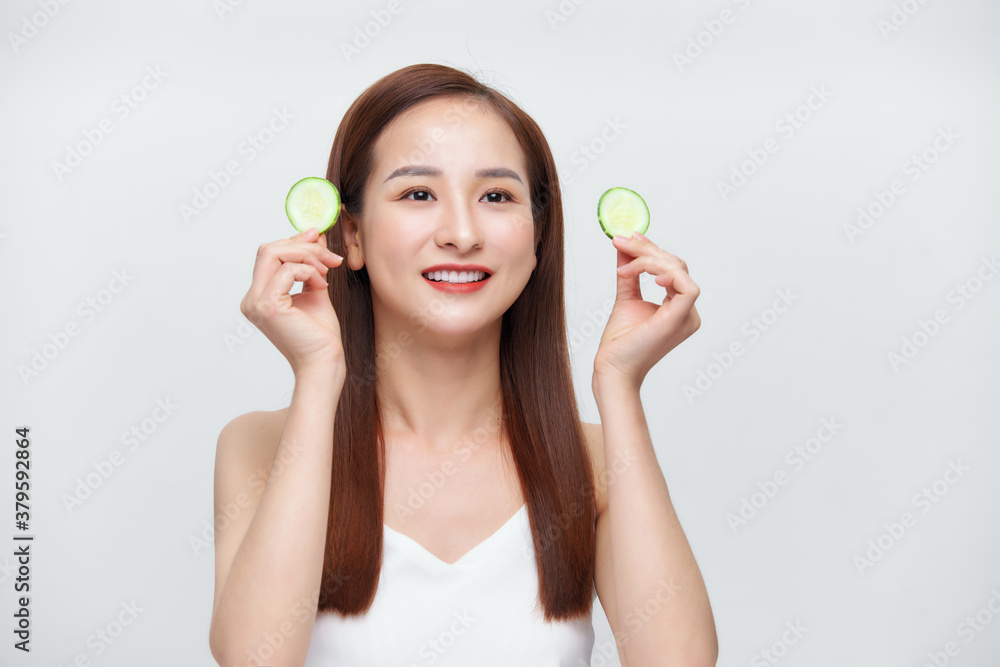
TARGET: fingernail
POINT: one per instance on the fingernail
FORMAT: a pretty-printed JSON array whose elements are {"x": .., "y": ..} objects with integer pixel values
[
  {"x": 619, "y": 237},
  {"x": 638, "y": 235}
]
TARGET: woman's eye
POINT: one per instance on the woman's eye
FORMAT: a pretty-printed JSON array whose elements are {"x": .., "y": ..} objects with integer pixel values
[
  {"x": 417, "y": 195},
  {"x": 496, "y": 197}
]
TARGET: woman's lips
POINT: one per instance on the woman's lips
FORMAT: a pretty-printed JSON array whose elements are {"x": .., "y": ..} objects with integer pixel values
[{"x": 457, "y": 288}]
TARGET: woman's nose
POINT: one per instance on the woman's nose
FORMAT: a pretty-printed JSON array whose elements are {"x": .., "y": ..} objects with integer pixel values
[{"x": 459, "y": 227}]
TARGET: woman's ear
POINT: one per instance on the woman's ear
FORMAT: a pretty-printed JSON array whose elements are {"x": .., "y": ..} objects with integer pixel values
[{"x": 353, "y": 252}]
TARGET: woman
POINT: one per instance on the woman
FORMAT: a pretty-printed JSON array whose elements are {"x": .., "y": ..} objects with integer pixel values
[{"x": 432, "y": 496}]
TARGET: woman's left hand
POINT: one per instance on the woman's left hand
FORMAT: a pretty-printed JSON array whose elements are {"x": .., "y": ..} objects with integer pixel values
[{"x": 638, "y": 333}]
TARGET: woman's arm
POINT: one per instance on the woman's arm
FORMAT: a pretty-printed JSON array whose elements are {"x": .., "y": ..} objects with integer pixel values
[
  {"x": 664, "y": 615},
  {"x": 650, "y": 561},
  {"x": 269, "y": 558}
]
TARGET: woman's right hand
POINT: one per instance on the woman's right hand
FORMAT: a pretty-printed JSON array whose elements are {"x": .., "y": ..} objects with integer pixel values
[{"x": 303, "y": 326}]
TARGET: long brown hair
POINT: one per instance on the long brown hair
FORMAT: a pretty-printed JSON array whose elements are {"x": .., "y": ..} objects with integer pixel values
[{"x": 539, "y": 410}]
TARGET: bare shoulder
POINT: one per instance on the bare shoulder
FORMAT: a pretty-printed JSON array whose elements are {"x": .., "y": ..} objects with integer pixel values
[
  {"x": 247, "y": 445},
  {"x": 243, "y": 457},
  {"x": 251, "y": 428},
  {"x": 594, "y": 436}
]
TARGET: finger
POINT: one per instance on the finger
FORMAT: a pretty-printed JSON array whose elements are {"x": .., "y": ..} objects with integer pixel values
[
  {"x": 271, "y": 256},
  {"x": 310, "y": 237},
  {"x": 668, "y": 279},
  {"x": 281, "y": 283},
  {"x": 270, "y": 265},
  {"x": 310, "y": 234},
  {"x": 647, "y": 256},
  {"x": 627, "y": 285},
  {"x": 260, "y": 304},
  {"x": 628, "y": 244},
  {"x": 636, "y": 267},
  {"x": 314, "y": 237},
  {"x": 318, "y": 245},
  {"x": 636, "y": 243},
  {"x": 640, "y": 246},
  {"x": 656, "y": 266},
  {"x": 681, "y": 295},
  {"x": 671, "y": 318}
]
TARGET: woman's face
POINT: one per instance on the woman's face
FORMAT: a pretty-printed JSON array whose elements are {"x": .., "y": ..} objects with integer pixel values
[{"x": 449, "y": 186}]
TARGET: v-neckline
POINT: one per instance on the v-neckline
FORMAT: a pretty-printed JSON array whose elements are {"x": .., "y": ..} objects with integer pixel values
[{"x": 419, "y": 548}]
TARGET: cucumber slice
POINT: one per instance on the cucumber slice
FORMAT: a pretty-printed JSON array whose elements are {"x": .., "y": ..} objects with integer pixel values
[
  {"x": 622, "y": 211},
  {"x": 313, "y": 202}
]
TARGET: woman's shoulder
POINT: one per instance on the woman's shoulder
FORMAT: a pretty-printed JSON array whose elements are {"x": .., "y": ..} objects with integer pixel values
[
  {"x": 252, "y": 438},
  {"x": 594, "y": 437},
  {"x": 259, "y": 422},
  {"x": 256, "y": 436}
]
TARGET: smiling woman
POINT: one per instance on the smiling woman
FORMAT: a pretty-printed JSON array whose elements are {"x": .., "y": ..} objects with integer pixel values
[
  {"x": 444, "y": 182},
  {"x": 438, "y": 501}
]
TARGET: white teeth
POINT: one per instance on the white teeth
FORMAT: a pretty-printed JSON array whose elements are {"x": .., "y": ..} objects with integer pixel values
[{"x": 455, "y": 277}]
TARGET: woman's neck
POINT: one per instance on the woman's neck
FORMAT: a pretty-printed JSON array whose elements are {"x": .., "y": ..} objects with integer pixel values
[{"x": 438, "y": 392}]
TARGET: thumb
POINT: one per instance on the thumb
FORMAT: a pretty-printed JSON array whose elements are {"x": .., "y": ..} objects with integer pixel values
[{"x": 628, "y": 286}]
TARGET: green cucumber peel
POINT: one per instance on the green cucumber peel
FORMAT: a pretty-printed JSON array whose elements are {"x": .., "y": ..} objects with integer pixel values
[
  {"x": 621, "y": 212},
  {"x": 313, "y": 202}
]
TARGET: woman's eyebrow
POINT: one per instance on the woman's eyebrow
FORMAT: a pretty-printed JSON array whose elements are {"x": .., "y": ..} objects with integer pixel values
[
  {"x": 421, "y": 170},
  {"x": 414, "y": 170},
  {"x": 499, "y": 172}
]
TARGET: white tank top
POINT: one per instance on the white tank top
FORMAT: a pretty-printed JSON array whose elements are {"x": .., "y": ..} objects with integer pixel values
[{"x": 476, "y": 611}]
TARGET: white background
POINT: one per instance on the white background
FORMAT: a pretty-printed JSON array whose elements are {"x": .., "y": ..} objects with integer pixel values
[{"x": 175, "y": 332}]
